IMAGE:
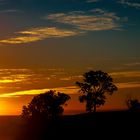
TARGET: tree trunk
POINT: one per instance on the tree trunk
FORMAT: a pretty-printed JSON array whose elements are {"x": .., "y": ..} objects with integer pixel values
[{"x": 94, "y": 108}]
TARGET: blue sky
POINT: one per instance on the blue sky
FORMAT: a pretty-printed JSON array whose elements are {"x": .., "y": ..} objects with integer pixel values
[{"x": 84, "y": 28}]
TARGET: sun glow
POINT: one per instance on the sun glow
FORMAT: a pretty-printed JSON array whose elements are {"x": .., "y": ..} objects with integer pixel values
[{"x": 6, "y": 108}]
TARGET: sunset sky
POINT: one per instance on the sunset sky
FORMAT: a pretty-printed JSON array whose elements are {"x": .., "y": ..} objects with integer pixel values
[{"x": 49, "y": 44}]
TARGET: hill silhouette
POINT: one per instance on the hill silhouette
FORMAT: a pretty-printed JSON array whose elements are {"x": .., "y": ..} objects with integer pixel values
[
  {"x": 102, "y": 125},
  {"x": 9, "y": 127}
]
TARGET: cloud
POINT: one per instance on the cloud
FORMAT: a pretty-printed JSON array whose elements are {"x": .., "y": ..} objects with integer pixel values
[
  {"x": 10, "y": 81},
  {"x": 131, "y": 4},
  {"x": 78, "y": 22},
  {"x": 91, "y": 1},
  {"x": 98, "y": 10},
  {"x": 126, "y": 74},
  {"x": 67, "y": 90},
  {"x": 14, "y": 76},
  {"x": 133, "y": 64},
  {"x": 66, "y": 79},
  {"x": 93, "y": 20},
  {"x": 3, "y": 2},
  {"x": 71, "y": 78},
  {"x": 9, "y": 11},
  {"x": 37, "y": 34},
  {"x": 128, "y": 85}
]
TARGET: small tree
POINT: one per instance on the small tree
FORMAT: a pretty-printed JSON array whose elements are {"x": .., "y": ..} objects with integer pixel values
[
  {"x": 133, "y": 104},
  {"x": 93, "y": 88},
  {"x": 46, "y": 105}
]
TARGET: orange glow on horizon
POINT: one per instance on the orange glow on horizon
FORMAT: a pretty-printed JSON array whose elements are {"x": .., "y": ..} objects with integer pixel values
[
  {"x": 18, "y": 86},
  {"x": 7, "y": 108}
]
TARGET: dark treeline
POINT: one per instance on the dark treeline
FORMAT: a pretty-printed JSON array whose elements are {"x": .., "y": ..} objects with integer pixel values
[
  {"x": 100, "y": 125},
  {"x": 93, "y": 89}
]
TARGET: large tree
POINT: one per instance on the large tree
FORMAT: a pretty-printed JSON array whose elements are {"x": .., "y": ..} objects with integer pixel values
[
  {"x": 47, "y": 105},
  {"x": 93, "y": 88}
]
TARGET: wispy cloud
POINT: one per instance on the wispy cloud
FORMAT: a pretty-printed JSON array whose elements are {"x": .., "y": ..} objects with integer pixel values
[
  {"x": 9, "y": 80},
  {"x": 133, "y": 64},
  {"x": 93, "y": 20},
  {"x": 126, "y": 74},
  {"x": 3, "y": 2},
  {"x": 36, "y": 34},
  {"x": 131, "y": 4},
  {"x": 14, "y": 78},
  {"x": 71, "y": 78},
  {"x": 91, "y": 1},
  {"x": 128, "y": 85},
  {"x": 11, "y": 76},
  {"x": 66, "y": 79},
  {"x": 9, "y": 11},
  {"x": 79, "y": 22},
  {"x": 67, "y": 90}
]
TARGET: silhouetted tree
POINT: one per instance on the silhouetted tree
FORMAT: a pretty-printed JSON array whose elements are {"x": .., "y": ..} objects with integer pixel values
[
  {"x": 45, "y": 106},
  {"x": 94, "y": 86},
  {"x": 133, "y": 104}
]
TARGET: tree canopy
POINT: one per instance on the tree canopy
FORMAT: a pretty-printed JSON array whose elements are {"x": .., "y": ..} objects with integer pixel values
[
  {"x": 133, "y": 104},
  {"x": 93, "y": 88},
  {"x": 46, "y": 105}
]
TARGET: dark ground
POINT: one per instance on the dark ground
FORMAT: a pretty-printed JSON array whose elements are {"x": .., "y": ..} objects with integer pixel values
[
  {"x": 102, "y": 125},
  {"x": 9, "y": 127}
]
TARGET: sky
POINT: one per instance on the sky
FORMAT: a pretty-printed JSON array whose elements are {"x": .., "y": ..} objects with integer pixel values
[{"x": 50, "y": 44}]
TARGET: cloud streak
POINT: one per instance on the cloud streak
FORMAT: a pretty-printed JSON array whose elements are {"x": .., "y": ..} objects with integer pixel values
[
  {"x": 3, "y": 2},
  {"x": 91, "y": 1},
  {"x": 10, "y": 77},
  {"x": 67, "y": 90},
  {"x": 37, "y": 34},
  {"x": 133, "y": 64},
  {"x": 131, "y": 4},
  {"x": 94, "y": 20},
  {"x": 9, "y": 11},
  {"x": 128, "y": 85},
  {"x": 126, "y": 74}
]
